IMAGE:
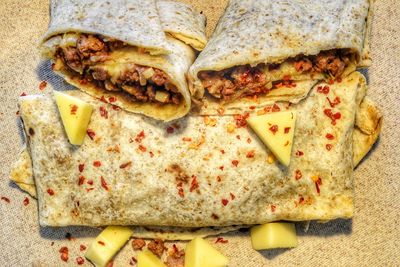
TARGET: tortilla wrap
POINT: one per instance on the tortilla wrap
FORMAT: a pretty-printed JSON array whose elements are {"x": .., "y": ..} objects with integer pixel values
[
  {"x": 104, "y": 50},
  {"x": 183, "y": 22},
  {"x": 259, "y": 47},
  {"x": 131, "y": 196}
]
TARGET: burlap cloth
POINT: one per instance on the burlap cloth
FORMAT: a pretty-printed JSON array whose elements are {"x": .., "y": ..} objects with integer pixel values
[{"x": 370, "y": 239}]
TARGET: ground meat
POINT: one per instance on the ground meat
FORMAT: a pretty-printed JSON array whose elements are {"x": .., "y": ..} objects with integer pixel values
[
  {"x": 89, "y": 45},
  {"x": 71, "y": 58},
  {"x": 100, "y": 74},
  {"x": 138, "y": 244},
  {"x": 137, "y": 91},
  {"x": 176, "y": 259},
  {"x": 159, "y": 77},
  {"x": 157, "y": 247}
]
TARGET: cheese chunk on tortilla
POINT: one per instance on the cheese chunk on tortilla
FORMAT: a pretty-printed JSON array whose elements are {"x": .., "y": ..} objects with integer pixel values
[
  {"x": 107, "y": 244},
  {"x": 148, "y": 259},
  {"x": 200, "y": 253},
  {"x": 276, "y": 130},
  {"x": 273, "y": 235},
  {"x": 75, "y": 115}
]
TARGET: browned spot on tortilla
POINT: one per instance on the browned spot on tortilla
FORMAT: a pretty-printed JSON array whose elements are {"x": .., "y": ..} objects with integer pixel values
[{"x": 180, "y": 174}]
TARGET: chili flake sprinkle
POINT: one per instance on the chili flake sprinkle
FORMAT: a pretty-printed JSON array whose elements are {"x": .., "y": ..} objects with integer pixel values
[
  {"x": 103, "y": 112},
  {"x": 112, "y": 99},
  {"x": 82, "y": 247},
  {"x": 274, "y": 129},
  {"x": 240, "y": 120},
  {"x": 80, "y": 260},
  {"x": 194, "y": 184},
  {"x": 103, "y": 183},
  {"x": 133, "y": 261},
  {"x": 124, "y": 165},
  {"x": 6, "y": 199},
  {"x": 298, "y": 175},
  {"x": 221, "y": 167},
  {"x": 224, "y": 201},
  {"x": 142, "y": 148},
  {"x": 91, "y": 133},
  {"x": 299, "y": 153},
  {"x": 181, "y": 193},
  {"x": 50, "y": 192},
  {"x": 81, "y": 167},
  {"x": 250, "y": 154},
  {"x": 332, "y": 116},
  {"x": 235, "y": 163},
  {"x": 221, "y": 240},
  {"x": 287, "y": 129},
  {"x": 328, "y": 147},
  {"x": 23, "y": 94},
  {"x": 323, "y": 89},
  {"x": 26, "y": 201},
  {"x": 101, "y": 243},
  {"x": 275, "y": 108},
  {"x": 90, "y": 182},
  {"x": 151, "y": 154},
  {"x": 170, "y": 130},
  {"x": 42, "y": 85},
  {"x": 329, "y": 136},
  {"x": 273, "y": 208},
  {"x": 64, "y": 253},
  {"x": 81, "y": 180},
  {"x": 140, "y": 136},
  {"x": 222, "y": 151},
  {"x": 232, "y": 196},
  {"x": 219, "y": 179},
  {"x": 73, "y": 109},
  {"x": 103, "y": 99},
  {"x": 333, "y": 103},
  {"x": 96, "y": 163},
  {"x": 187, "y": 139}
]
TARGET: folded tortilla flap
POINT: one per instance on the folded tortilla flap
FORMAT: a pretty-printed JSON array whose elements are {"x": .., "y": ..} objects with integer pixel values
[
  {"x": 135, "y": 22},
  {"x": 270, "y": 37},
  {"x": 138, "y": 171},
  {"x": 183, "y": 22}
]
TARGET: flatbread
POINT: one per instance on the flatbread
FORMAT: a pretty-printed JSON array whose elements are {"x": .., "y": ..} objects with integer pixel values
[{"x": 183, "y": 22}]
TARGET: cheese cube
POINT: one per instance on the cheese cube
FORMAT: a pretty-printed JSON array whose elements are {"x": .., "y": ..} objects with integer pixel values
[
  {"x": 107, "y": 244},
  {"x": 273, "y": 235},
  {"x": 147, "y": 259},
  {"x": 276, "y": 131},
  {"x": 75, "y": 115},
  {"x": 199, "y": 253}
]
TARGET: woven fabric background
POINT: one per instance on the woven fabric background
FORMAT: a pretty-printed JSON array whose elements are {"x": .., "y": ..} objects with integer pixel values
[{"x": 371, "y": 238}]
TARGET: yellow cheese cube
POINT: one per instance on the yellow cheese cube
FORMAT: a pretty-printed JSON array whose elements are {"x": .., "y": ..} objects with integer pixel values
[
  {"x": 147, "y": 259},
  {"x": 75, "y": 115},
  {"x": 199, "y": 253},
  {"x": 273, "y": 235},
  {"x": 276, "y": 131},
  {"x": 107, "y": 244}
]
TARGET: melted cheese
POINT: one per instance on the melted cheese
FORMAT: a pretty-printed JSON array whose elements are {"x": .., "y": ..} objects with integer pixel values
[
  {"x": 199, "y": 253},
  {"x": 148, "y": 259},
  {"x": 276, "y": 131},
  {"x": 273, "y": 235}
]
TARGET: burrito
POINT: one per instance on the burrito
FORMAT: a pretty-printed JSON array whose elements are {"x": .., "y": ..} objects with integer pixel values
[
  {"x": 160, "y": 171},
  {"x": 274, "y": 49},
  {"x": 118, "y": 51}
]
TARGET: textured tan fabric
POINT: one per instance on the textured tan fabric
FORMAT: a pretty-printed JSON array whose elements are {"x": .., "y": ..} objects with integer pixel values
[{"x": 367, "y": 240}]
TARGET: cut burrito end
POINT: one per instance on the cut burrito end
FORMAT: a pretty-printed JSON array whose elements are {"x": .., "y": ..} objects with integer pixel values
[{"x": 107, "y": 67}]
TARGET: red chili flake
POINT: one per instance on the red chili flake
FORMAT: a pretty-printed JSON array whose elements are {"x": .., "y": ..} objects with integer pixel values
[
  {"x": 232, "y": 196},
  {"x": 133, "y": 261},
  {"x": 221, "y": 111},
  {"x": 273, "y": 208},
  {"x": 238, "y": 137},
  {"x": 301, "y": 200},
  {"x": 80, "y": 260},
  {"x": 221, "y": 168},
  {"x": 89, "y": 189},
  {"x": 181, "y": 192},
  {"x": 23, "y": 94},
  {"x": 248, "y": 140},
  {"x": 275, "y": 108},
  {"x": 124, "y": 165},
  {"x": 81, "y": 167},
  {"x": 187, "y": 139},
  {"x": 317, "y": 184},
  {"x": 42, "y": 85},
  {"x": 140, "y": 136},
  {"x": 142, "y": 148},
  {"x": 26, "y": 201},
  {"x": 329, "y": 136},
  {"x": 101, "y": 243},
  {"x": 329, "y": 147},
  {"x": 299, "y": 153},
  {"x": 116, "y": 108},
  {"x": 287, "y": 129},
  {"x": 221, "y": 240},
  {"x": 50, "y": 192},
  {"x": 170, "y": 130},
  {"x": 82, "y": 247},
  {"x": 339, "y": 79},
  {"x": 103, "y": 112},
  {"x": 110, "y": 264},
  {"x": 91, "y": 133},
  {"x": 103, "y": 183},
  {"x": 96, "y": 163},
  {"x": 112, "y": 99},
  {"x": 298, "y": 175},
  {"x": 219, "y": 179},
  {"x": 286, "y": 78},
  {"x": 240, "y": 120},
  {"x": 17, "y": 113},
  {"x": 331, "y": 81},
  {"x": 250, "y": 154},
  {"x": 235, "y": 163},
  {"x": 333, "y": 117},
  {"x": 224, "y": 201},
  {"x": 194, "y": 184},
  {"x": 103, "y": 99},
  {"x": 64, "y": 253},
  {"x": 90, "y": 182},
  {"x": 222, "y": 151},
  {"x": 252, "y": 107},
  {"x": 323, "y": 89},
  {"x": 81, "y": 180},
  {"x": 73, "y": 109},
  {"x": 151, "y": 154},
  {"x": 6, "y": 199},
  {"x": 335, "y": 102},
  {"x": 273, "y": 129}
]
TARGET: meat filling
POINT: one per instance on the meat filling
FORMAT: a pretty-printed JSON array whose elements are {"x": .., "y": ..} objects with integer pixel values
[
  {"x": 144, "y": 84},
  {"x": 242, "y": 81}
]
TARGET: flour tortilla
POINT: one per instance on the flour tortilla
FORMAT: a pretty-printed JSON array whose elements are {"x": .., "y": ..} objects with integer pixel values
[
  {"x": 183, "y": 22},
  {"x": 136, "y": 23},
  {"x": 134, "y": 193},
  {"x": 254, "y": 32}
]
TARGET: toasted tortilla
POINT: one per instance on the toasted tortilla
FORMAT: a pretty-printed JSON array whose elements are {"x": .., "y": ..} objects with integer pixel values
[
  {"x": 183, "y": 22},
  {"x": 137, "y": 24},
  {"x": 131, "y": 196},
  {"x": 270, "y": 32}
]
